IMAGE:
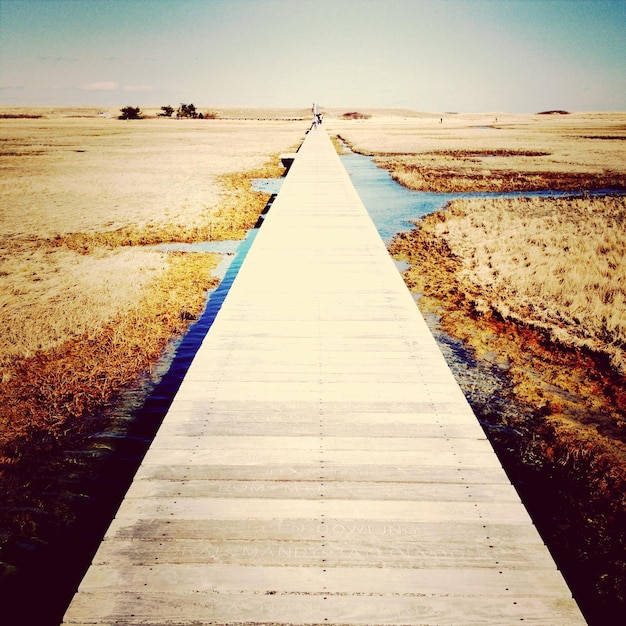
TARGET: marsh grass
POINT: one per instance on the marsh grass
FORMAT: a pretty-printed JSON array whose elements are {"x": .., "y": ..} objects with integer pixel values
[
  {"x": 46, "y": 393},
  {"x": 554, "y": 264},
  {"x": 494, "y": 153},
  {"x": 61, "y": 288},
  {"x": 85, "y": 175},
  {"x": 237, "y": 211},
  {"x": 492, "y": 171},
  {"x": 50, "y": 295}
]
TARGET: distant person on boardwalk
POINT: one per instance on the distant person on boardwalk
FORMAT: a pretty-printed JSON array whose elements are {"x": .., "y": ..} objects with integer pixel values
[{"x": 317, "y": 118}]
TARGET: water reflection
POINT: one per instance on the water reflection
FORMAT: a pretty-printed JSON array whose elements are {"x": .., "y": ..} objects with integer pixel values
[{"x": 267, "y": 185}]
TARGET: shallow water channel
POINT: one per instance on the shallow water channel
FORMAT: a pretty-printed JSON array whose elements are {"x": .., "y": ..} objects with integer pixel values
[{"x": 94, "y": 478}]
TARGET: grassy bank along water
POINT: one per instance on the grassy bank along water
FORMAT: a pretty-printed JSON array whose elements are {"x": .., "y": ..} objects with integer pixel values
[
  {"x": 492, "y": 171},
  {"x": 49, "y": 387},
  {"x": 556, "y": 265},
  {"x": 494, "y": 152}
]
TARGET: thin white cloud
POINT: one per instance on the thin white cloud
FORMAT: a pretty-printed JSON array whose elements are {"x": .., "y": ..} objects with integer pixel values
[{"x": 105, "y": 85}]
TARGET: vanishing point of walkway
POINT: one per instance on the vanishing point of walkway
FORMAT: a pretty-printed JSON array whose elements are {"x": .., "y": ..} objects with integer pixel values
[{"x": 319, "y": 464}]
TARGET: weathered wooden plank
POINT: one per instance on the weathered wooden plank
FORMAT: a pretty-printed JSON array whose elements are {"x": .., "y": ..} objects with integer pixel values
[
  {"x": 298, "y": 552},
  {"x": 288, "y": 579},
  {"x": 437, "y": 445},
  {"x": 273, "y": 608},
  {"x": 381, "y": 510},
  {"x": 311, "y": 489},
  {"x": 233, "y": 424},
  {"x": 299, "y": 471},
  {"x": 335, "y": 530},
  {"x": 266, "y": 456}
]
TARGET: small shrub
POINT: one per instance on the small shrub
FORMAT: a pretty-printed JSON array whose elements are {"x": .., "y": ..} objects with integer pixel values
[
  {"x": 130, "y": 113},
  {"x": 187, "y": 110}
]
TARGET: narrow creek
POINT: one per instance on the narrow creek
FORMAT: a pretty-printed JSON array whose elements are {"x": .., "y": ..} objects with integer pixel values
[{"x": 93, "y": 479}]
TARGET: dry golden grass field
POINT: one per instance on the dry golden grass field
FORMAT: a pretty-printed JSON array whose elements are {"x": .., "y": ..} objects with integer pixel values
[
  {"x": 82, "y": 193},
  {"x": 493, "y": 152}
]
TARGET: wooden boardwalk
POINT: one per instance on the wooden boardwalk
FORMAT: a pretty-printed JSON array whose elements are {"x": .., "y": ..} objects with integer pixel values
[{"x": 319, "y": 464}]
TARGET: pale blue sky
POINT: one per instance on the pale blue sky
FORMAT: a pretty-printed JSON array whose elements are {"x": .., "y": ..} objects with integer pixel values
[{"x": 428, "y": 55}]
